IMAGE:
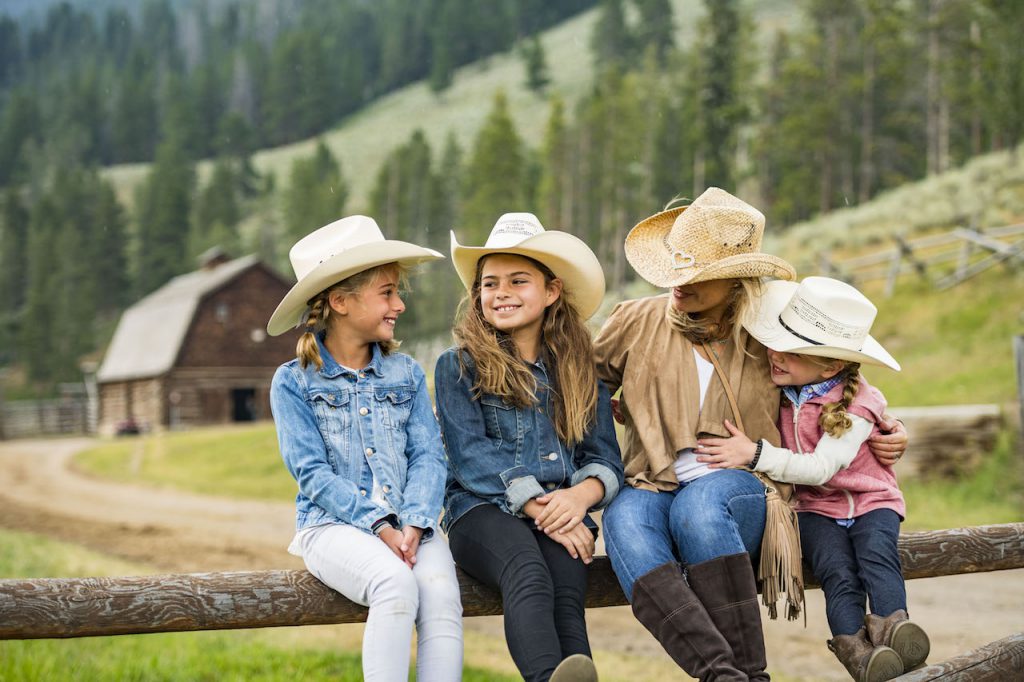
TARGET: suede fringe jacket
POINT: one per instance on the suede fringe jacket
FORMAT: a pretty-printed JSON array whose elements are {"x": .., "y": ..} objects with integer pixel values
[{"x": 640, "y": 352}]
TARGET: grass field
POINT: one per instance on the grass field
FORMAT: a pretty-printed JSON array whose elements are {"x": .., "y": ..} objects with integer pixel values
[{"x": 309, "y": 653}]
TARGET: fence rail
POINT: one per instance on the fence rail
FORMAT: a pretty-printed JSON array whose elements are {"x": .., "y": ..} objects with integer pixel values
[{"x": 86, "y": 607}]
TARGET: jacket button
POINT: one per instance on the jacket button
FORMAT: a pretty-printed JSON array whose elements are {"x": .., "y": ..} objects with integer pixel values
[
  {"x": 552, "y": 456},
  {"x": 387, "y": 489},
  {"x": 550, "y": 486},
  {"x": 362, "y": 492},
  {"x": 363, "y": 411},
  {"x": 362, "y": 375},
  {"x": 369, "y": 451}
]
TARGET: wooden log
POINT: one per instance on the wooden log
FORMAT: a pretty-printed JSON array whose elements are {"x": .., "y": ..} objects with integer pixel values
[
  {"x": 948, "y": 441},
  {"x": 996, "y": 662},
  {"x": 86, "y": 607}
]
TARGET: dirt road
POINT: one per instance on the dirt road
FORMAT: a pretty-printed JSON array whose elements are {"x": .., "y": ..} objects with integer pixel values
[{"x": 175, "y": 531}]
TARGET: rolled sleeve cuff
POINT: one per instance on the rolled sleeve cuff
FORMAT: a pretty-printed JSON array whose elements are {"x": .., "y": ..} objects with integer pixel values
[
  {"x": 520, "y": 490},
  {"x": 418, "y": 521},
  {"x": 602, "y": 473}
]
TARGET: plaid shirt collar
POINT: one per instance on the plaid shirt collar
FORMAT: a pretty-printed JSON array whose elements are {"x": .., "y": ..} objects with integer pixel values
[{"x": 800, "y": 395}]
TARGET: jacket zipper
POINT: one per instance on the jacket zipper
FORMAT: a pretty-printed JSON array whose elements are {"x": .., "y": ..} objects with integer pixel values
[{"x": 800, "y": 450}]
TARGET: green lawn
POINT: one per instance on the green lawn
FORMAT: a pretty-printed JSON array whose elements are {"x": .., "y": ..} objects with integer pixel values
[{"x": 242, "y": 655}]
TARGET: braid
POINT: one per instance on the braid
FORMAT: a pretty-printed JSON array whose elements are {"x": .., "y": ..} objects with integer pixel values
[
  {"x": 307, "y": 349},
  {"x": 834, "y": 419}
]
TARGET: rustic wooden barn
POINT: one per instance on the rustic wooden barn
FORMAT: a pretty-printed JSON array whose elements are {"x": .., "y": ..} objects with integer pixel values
[{"x": 196, "y": 350}]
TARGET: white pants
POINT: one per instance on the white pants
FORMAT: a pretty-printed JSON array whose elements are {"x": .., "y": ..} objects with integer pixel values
[{"x": 361, "y": 567}]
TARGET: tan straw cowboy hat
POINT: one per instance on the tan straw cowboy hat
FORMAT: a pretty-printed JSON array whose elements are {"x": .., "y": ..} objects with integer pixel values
[
  {"x": 334, "y": 252},
  {"x": 716, "y": 237},
  {"x": 566, "y": 255},
  {"x": 820, "y": 316}
]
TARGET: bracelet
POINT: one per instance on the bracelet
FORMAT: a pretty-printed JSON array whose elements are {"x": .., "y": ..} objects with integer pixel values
[
  {"x": 380, "y": 524},
  {"x": 757, "y": 455}
]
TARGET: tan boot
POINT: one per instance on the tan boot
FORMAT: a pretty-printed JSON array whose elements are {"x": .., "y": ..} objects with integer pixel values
[
  {"x": 575, "y": 668},
  {"x": 664, "y": 603},
  {"x": 728, "y": 589},
  {"x": 864, "y": 662},
  {"x": 903, "y": 636}
]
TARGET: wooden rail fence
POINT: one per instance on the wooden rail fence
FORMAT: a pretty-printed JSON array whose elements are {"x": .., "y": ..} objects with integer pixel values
[{"x": 86, "y": 607}]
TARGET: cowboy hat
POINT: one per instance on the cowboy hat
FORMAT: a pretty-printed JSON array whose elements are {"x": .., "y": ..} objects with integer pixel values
[
  {"x": 336, "y": 251},
  {"x": 567, "y": 256},
  {"x": 820, "y": 316},
  {"x": 716, "y": 237}
]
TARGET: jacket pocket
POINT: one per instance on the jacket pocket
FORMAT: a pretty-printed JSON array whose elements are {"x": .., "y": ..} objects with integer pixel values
[
  {"x": 501, "y": 419},
  {"x": 332, "y": 417},
  {"x": 395, "y": 406}
]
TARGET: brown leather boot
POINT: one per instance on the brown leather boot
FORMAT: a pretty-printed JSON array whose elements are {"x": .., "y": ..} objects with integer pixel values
[
  {"x": 903, "y": 636},
  {"x": 728, "y": 589},
  {"x": 669, "y": 609},
  {"x": 864, "y": 662}
]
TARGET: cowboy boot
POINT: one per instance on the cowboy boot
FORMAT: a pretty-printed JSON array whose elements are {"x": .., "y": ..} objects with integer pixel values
[
  {"x": 575, "y": 668},
  {"x": 669, "y": 609},
  {"x": 727, "y": 588},
  {"x": 903, "y": 636},
  {"x": 864, "y": 662}
]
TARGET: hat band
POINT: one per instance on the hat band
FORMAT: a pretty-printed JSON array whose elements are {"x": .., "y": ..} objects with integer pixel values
[{"x": 806, "y": 338}]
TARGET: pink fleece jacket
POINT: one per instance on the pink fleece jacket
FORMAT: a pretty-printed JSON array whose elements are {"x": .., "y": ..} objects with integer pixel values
[{"x": 863, "y": 486}]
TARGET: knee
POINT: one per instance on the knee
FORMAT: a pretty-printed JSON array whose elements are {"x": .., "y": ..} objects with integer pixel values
[
  {"x": 527, "y": 576},
  {"x": 439, "y": 592},
  {"x": 395, "y": 585}
]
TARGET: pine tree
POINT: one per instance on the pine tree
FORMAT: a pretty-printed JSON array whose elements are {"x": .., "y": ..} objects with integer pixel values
[
  {"x": 611, "y": 42},
  {"x": 721, "y": 101},
  {"x": 164, "y": 203},
  {"x": 316, "y": 193},
  {"x": 655, "y": 29},
  {"x": 555, "y": 192},
  {"x": 537, "y": 75},
  {"x": 14, "y": 231},
  {"x": 217, "y": 212},
  {"x": 495, "y": 174}
]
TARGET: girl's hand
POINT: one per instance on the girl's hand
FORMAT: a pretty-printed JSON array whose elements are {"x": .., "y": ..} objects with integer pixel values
[
  {"x": 579, "y": 542},
  {"x": 726, "y": 453},
  {"x": 617, "y": 411},
  {"x": 889, "y": 447},
  {"x": 411, "y": 536},
  {"x": 564, "y": 509},
  {"x": 393, "y": 538}
]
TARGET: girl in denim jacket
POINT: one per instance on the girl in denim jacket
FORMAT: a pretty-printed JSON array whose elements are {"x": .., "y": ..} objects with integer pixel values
[
  {"x": 529, "y": 435},
  {"x": 358, "y": 434},
  {"x": 850, "y": 505}
]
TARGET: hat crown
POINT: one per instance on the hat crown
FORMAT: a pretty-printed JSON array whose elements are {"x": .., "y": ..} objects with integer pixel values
[
  {"x": 513, "y": 228},
  {"x": 330, "y": 240},
  {"x": 715, "y": 226},
  {"x": 828, "y": 312}
]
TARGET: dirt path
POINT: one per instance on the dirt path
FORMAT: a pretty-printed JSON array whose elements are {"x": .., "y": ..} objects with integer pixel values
[{"x": 182, "y": 532}]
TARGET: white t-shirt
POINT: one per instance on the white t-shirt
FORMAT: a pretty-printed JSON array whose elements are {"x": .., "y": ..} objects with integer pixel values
[{"x": 687, "y": 467}]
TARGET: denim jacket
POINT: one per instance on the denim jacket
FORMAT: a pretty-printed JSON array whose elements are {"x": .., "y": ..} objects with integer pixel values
[
  {"x": 504, "y": 455},
  {"x": 341, "y": 431}
]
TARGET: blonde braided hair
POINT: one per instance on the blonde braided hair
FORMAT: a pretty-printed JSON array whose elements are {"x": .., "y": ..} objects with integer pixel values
[{"x": 834, "y": 420}]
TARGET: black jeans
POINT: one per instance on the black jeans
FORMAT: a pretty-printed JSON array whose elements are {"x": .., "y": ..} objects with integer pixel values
[
  {"x": 854, "y": 564},
  {"x": 542, "y": 587}
]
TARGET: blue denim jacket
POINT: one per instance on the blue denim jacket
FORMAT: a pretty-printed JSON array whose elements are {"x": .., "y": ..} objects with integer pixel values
[
  {"x": 503, "y": 455},
  {"x": 338, "y": 430}
]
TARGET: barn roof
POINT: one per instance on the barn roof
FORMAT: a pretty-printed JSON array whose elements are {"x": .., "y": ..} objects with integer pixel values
[{"x": 151, "y": 332}]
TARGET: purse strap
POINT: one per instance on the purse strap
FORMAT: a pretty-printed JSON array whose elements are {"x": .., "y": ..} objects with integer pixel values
[{"x": 725, "y": 383}]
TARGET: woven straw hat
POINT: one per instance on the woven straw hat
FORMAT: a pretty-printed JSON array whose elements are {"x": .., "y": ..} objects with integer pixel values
[
  {"x": 334, "y": 252},
  {"x": 716, "y": 237},
  {"x": 820, "y": 316},
  {"x": 566, "y": 255}
]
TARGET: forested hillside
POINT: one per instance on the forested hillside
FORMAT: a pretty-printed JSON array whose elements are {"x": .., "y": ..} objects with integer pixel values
[{"x": 631, "y": 104}]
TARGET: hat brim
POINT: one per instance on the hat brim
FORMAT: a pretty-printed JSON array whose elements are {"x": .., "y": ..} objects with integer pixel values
[
  {"x": 762, "y": 322},
  {"x": 646, "y": 253},
  {"x": 566, "y": 255},
  {"x": 336, "y": 268}
]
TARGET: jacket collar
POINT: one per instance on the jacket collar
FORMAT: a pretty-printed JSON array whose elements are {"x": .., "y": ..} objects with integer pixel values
[{"x": 332, "y": 369}]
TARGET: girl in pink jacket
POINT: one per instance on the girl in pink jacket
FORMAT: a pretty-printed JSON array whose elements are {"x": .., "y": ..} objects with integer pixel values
[{"x": 849, "y": 504}]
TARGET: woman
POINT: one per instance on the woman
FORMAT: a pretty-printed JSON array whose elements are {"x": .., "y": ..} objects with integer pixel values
[{"x": 662, "y": 352}]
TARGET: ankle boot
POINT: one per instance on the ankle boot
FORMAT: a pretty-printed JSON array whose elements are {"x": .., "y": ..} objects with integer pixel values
[
  {"x": 575, "y": 668},
  {"x": 864, "y": 662},
  {"x": 903, "y": 636},
  {"x": 664, "y": 603},
  {"x": 728, "y": 589}
]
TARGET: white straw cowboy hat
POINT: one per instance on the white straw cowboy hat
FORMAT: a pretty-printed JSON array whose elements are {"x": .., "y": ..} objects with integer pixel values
[
  {"x": 716, "y": 237},
  {"x": 334, "y": 252},
  {"x": 567, "y": 256},
  {"x": 820, "y": 316}
]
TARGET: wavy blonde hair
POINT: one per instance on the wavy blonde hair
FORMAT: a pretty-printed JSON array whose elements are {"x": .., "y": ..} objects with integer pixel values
[
  {"x": 307, "y": 350},
  {"x": 699, "y": 330},
  {"x": 565, "y": 346},
  {"x": 834, "y": 419}
]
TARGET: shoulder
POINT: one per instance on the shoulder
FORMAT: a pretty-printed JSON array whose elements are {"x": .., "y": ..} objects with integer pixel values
[
  {"x": 869, "y": 400},
  {"x": 402, "y": 365},
  {"x": 455, "y": 360},
  {"x": 642, "y": 307},
  {"x": 628, "y": 316}
]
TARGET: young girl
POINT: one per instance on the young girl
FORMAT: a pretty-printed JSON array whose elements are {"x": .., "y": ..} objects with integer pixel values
[
  {"x": 850, "y": 505},
  {"x": 529, "y": 434},
  {"x": 358, "y": 434}
]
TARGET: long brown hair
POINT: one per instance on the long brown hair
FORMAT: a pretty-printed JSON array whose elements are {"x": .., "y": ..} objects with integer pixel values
[
  {"x": 565, "y": 346},
  {"x": 307, "y": 350}
]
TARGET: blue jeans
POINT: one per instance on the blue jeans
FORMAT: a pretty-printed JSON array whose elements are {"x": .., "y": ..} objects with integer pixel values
[
  {"x": 853, "y": 564},
  {"x": 715, "y": 515}
]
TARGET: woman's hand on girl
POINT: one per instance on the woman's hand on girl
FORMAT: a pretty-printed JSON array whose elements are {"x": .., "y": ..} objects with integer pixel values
[
  {"x": 889, "y": 447},
  {"x": 726, "y": 453},
  {"x": 563, "y": 509},
  {"x": 579, "y": 542}
]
